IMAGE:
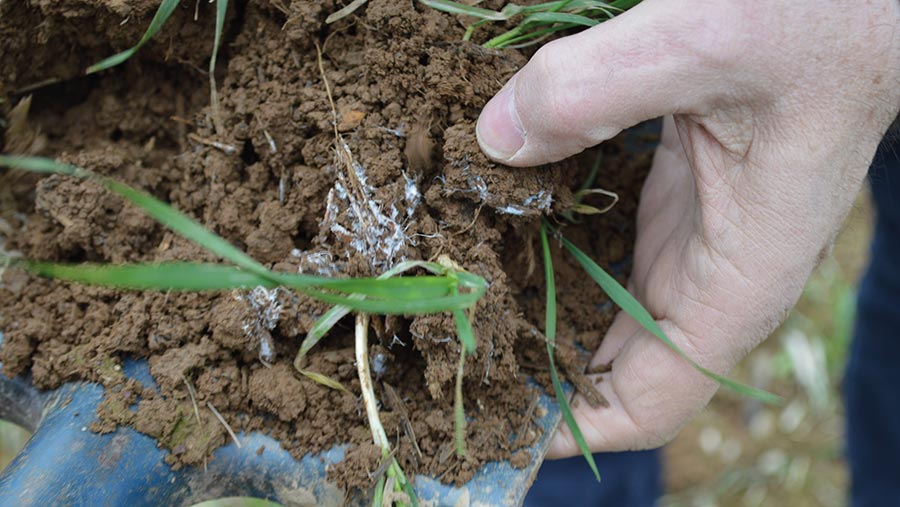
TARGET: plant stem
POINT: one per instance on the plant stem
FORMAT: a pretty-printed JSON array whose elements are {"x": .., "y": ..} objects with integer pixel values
[
  {"x": 365, "y": 383},
  {"x": 379, "y": 437}
]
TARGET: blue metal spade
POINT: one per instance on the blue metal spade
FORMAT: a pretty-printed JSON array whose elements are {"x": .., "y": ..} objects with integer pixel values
[{"x": 64, "y": 463}]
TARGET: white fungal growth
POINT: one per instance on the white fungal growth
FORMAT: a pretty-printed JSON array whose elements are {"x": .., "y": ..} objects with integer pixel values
[
  {"x": 511, "y": 209},
  {"x": 540, "y": 201},
  {"x": 379, "y": 365},
  {"x": 532, "y": 205},
  {"x": 376, "y": 231},
  {"x": 321, "y": 262},
  {"x": 264, "y": 302},
  {"x": 477, "y": 184},
  {"x": 411, "y": 194},
  {"x": 272, "y": 147},
  {"x": 400, "y": 131}
]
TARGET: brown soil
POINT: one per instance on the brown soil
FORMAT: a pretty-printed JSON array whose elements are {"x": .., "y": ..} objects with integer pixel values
[{"x": 407, "y": 94}]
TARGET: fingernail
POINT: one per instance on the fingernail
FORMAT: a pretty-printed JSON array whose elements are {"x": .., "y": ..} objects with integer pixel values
[{"x": 499, "y": 131}]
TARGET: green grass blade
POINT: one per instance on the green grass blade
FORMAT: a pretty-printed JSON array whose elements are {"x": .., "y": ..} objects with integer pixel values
[
  {"x": 407, "y": 295},
  {"x": 162, "y": 14},
  {"x": 322, "y": 326},
  {"x": 540, "y": 19},
  {"x": 336, "y": 313},
  {"x": 560, "y": 17},
  {"x": 191, "y": 276},
  {"x": 464, "y": 331},
  {"x": 378, "y": 495},
  {"x": 187, "y": 276},
  {"x": 621, "y": 297},
  {"x": 550, "y": 332},
  {"x": 547, "y": 6},
  {"x": 177, "y": 276},
  {"x": 407, "y": 288},
  {"x": 468, "y": 10},
  {"x": 160, "y": 211},
  {"x": 403, "y": 306},
  {"x": 624, "y": 5},
  {"x": 397, "y": 305},
  {"x": 325, "y": 380},
  {"x": 459, "y": 410},
  {"x": 516, "y": 39},
  {"x": 185, "y": 226},
  {"x": 221, "y": 11},
  {"x": 41, "y": 165},
  {"x": 410, "y": 493}
]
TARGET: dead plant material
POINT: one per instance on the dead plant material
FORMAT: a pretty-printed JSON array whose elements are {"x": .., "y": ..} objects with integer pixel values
[
  {"x": 21, "y": 138},
  {"x": 397, "y": 405},
  {"x": 226, "y": 148},
  {"x": 419, "y": 148},
  {"x": 528, "y": 419},
  {"x": 224, "y": 423},
  {"x": 599, "y": 368},
  {"x": 587, "y": 390},
  {"x": 193, "y": 395}
]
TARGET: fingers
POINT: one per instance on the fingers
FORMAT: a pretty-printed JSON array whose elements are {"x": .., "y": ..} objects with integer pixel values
[
  {"x": 583, "y": 89},
  {"x": 652, "y": 393}
]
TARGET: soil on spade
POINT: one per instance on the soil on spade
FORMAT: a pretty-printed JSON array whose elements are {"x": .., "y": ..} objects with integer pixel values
[{"x": 407, "y": 93}]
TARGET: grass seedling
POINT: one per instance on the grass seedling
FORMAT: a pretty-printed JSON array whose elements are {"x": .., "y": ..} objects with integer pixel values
[
  {"x": 459, "y": 409},
  {"x": 550, "y": 332},
  {"x": 397, "y": 295},
  {"x": 166, "y": 8},
  {"x": 536, "y": 22},
  {"x": 447, "y": 288},
  {"x": 406, "y": 295},
  {"x": 579, "y": 207},
  {"x": 464, "y": 332},
  {"x": 221, "y": 10},
  {"x": 624, "y": 300},
  {"x": 396, "y": 478}
]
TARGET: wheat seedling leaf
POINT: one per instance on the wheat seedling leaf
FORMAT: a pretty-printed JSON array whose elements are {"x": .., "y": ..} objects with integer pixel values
[
  {"x": 325, "y": 380},
  {"x": 166, "y": 7},
  {"x": 458, "y": 8},
  {"x": 621, "y": 297},
  {"x": 550, "y": 333},
  {"x": 221, "y": 10},
  {"x": 560, "y": 17},
  {"x": 186, "y": 276},
  {"x": 414, "y": 291},
  {"x": 336, "y": 313}
]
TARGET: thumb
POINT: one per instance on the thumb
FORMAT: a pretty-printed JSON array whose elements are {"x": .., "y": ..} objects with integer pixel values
[{"x": 583, "y": 89}]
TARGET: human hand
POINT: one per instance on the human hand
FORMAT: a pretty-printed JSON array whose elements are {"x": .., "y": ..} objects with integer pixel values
[{"x": 774, "y": 109}]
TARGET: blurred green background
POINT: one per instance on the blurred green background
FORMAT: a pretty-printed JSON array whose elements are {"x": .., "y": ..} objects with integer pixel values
[
  {"x": 739, "y": 453},
  {"x": 742, "y": 454}
]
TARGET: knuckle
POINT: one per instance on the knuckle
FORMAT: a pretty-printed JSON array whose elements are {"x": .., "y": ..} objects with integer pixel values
[{"x": 715, "y": 39}]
